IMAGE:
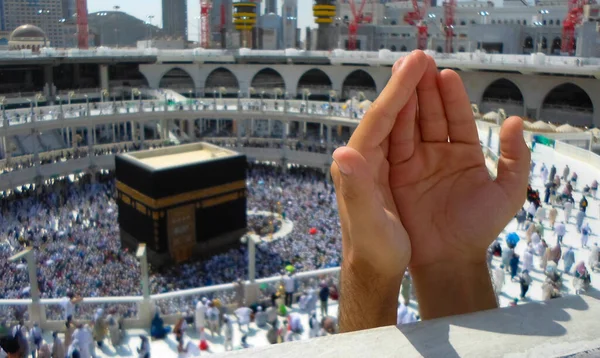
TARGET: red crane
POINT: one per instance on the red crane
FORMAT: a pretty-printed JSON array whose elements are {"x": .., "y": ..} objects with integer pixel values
[
  {"x": 357, "y": 18},
  {"x": 572, "y": 19},
  {"x": 449, "y": 11},
  {"x": 205, "y": 6},
  {"x": 416, "y": 18},
  {"x": 82, "y": 25}
]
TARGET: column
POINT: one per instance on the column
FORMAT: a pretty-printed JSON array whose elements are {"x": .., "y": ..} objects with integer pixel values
[
  {"x": 238, "y": 132},
  {"x": 142, "y": 134},
  {"x": 104, "y": 84},
  {"x": 76, "y": 75},
  {"x": 304, "y": 128},
  {"x": 270, "y": 126},
  {"x": 321, "y": 130},
  {"x": 49, "y": 81},
  {"x": 218, "y": 121},
  {"x": 251, "y": 260},
  {"x": 90, "y": 139},
  {"x": 114, "y": 133},
  {"x": 329, "y": 139},
  {"x": 133, "y": 132},
  {"x": 251, "y": 133},
  {"x": 191, "y": 130}
]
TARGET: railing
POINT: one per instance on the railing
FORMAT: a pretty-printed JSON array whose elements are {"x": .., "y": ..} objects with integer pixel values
[
  {"x": 573, "y": 64},
  {"x": 138, "y": 310},
  {"x": 563, "y": 327}
]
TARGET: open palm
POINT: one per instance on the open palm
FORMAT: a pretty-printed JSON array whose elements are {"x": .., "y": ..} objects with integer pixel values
[
  {"x": 413, "y": 180},
  {"x": 448, "y": 203}
]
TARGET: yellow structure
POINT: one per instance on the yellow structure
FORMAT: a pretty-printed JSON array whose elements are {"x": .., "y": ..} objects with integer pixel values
[
  {"x": 244, "y": 20},
  {"x": 324, "y": 11}
]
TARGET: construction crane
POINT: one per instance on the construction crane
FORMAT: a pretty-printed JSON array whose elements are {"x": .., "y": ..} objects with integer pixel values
[
  {"x": 205, "y": 6},
  {"x": 449, "y": 11},
  {"x": 82, "y": 25},
  {"x": 572, "y": 19},
  {"x": 357, "y": 18},
  {"x": 416, "y": 18}
]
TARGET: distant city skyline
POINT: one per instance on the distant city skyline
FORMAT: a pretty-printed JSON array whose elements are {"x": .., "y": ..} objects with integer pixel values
[{"x": 144, "y": 8}]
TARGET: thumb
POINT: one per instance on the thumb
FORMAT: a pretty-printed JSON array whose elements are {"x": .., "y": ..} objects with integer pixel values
[
  {"x": 513, "y": 165},
  {"x": 353, "y": 179}
]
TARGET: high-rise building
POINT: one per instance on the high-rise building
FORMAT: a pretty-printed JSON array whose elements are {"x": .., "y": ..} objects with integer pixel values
[
  {"x": 221, "y": 24},
  {"x": 271, "y": 6},
  {"x": 69, "y": 8},
  {"x": 45, "y": 14},
  {"x": 289, "y": 14},
  {"x": 174, "y": 13}
]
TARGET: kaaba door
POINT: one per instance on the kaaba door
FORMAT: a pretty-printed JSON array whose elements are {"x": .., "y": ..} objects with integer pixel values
[{"x": 181, "y": 231}]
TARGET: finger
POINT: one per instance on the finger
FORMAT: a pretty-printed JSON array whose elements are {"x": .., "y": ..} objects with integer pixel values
[
  {"x": 513, "y": 165},
  {"x": 432, "y": 115},
  {"x": 405, "y": 133},
  {"x": 377, "y": 123},
  {"x": 354, "y": 185},
  {"x": 461, "y": 123}
]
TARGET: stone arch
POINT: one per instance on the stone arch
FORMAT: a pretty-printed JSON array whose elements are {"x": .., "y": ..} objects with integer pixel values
[
  {"x": 359, "y": 81},
  {"x": 393, "y": 48},
  {"x": 439, "y": 49},
  {"x": 403, "y": 49},
  {"x": 528, "y": 43},
  {"x": 266, "y": 80},
  {"x": 317, "y": 82},
  {"x": 461, "y": 49},
  {"x": 505, "y": 94},
  {"x": 568, "y": 102},
  {"x": 177, "y": 77},
  {"x": 221, "y": 77},
  {"x": 568, "y": 95},
  {"x": 544, "y": 43}
]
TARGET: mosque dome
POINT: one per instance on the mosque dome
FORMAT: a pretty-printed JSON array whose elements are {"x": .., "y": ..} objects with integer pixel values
[
  {"x": 28, "y": 37},
  {"x": 28, "y": 32}
]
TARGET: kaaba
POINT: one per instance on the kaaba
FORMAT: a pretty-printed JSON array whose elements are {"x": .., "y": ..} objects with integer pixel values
[{"x": 184, "y": 202}]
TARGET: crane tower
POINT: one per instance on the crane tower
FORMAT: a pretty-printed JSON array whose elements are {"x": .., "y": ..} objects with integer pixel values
[
  {"x": 205, "y": 6},
  {"x": 449, "y": 11},
  {"x": 572, "y": 20},
  {"x": 82, "y": 25}
]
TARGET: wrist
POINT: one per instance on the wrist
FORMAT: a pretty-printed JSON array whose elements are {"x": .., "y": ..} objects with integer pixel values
[
  {"x": 367, "y": 299},
  {"x": 465, "y": 285}
]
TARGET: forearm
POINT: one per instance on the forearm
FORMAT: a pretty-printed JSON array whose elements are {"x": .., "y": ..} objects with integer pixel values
[
  {"x": 451, "y": 289},
  {"x": 366, "y": 300}
]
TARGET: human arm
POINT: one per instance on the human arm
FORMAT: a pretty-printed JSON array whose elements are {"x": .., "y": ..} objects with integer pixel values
[{"x": 464, "y": 288}]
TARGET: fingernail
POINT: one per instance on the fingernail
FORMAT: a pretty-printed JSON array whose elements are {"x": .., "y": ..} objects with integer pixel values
[{"x": 344, "y": 169}]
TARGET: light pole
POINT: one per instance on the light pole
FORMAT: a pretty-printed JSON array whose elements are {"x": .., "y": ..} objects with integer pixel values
[
  {"x": 61, "y": 114},
  {"x": 484, "y": 15},
  {"x": 142, "y": 255},
  {"x": 199, "y": 30},
  {"x": 102, "y": 14},
  {"x": 87, "y": 104},
  {"x": 70, "y": 95},
  {"x": 36, "y": 309},
  {"x": 539, "y": 24},
  {"x": 117, "y": 8},
  {"x": 249, "y": 240},
  {"x": 43, "y": 12},
  {"x": 2, "y": 100},
  {"x": 150, "y": 18}
]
